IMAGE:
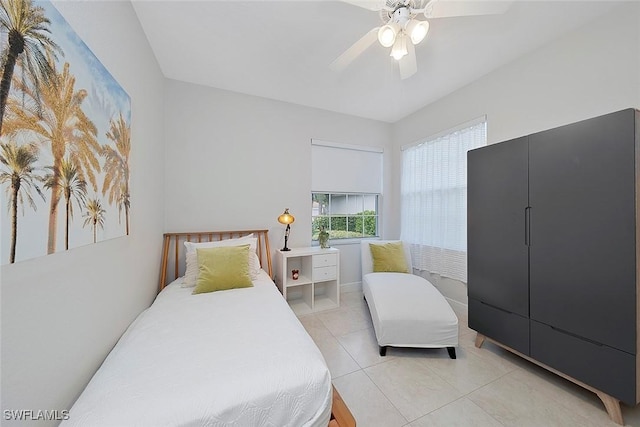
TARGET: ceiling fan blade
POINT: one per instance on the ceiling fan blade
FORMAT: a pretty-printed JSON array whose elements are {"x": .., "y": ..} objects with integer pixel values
[
  {"x": 452, "y": 8},
  {"x": 355, "y": 50},
  {"x": 408, "y": 64},
  {"x": 374, "y": 5}
]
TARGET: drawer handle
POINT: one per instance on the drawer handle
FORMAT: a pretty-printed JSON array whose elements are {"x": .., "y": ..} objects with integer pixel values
[
  {"x": 496, "y": 308},
  {"x": 576, "y": 336}
]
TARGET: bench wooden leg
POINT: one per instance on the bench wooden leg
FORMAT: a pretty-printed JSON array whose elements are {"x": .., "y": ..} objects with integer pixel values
[
  {"x": 479, "y": 340},
  {"x": 452, "y": 352}
]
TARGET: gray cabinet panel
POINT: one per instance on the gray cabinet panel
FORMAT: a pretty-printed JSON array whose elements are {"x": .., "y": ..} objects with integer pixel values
[
  {"x": 507, "y": 328},
  {"x": 582, "y": 249},
  {"x": 569, "y": 298},
  {"x": 497, "y": 253},
  {"x": 602, "y": 367}
]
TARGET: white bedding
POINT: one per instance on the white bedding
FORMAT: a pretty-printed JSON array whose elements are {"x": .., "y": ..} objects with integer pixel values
[{"x": 229, "y": 358}]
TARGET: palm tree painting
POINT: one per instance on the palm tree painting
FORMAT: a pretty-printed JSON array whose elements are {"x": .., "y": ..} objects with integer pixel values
[
  {"x": 28, "y": 40},
  {"x": 116, "y": 167},
  {"x": 68, "y": 181},
  {"x": 94, "y": 216},
  {"x": 60, "y": 122},
  {"x": 64, "y": 107},
  {"x": 19, "y": 175}
]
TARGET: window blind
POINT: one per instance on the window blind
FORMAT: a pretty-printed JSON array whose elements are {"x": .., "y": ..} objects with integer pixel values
[
  {"x": 345, "y": 168},
  {"x": 434, "y": 199}
]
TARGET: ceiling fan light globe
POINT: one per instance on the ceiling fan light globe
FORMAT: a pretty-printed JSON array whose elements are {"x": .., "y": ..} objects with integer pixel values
[
  {"x": 399, "y": 48},
  {"x": 398, "y": 55},
  {"x": 387, "y": 35},
  {"x": 417, "y": 30}
]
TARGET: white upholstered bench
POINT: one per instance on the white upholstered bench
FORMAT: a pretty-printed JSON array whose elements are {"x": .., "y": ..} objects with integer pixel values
[{"x": 406, "y": 310}]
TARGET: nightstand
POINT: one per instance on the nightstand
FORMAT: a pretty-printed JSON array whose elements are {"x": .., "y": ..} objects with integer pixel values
[{"x": 317, "y": 287}]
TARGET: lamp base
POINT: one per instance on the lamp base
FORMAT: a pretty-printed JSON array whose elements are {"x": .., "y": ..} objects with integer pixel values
[{"x": 286, "y": 239}]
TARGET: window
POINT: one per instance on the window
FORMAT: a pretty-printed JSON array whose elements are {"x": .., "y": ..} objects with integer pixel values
[
  {"x": 346, "y": 184},
  {"x": 344, "y": 215},
  {"x": 434, "y": 199}
]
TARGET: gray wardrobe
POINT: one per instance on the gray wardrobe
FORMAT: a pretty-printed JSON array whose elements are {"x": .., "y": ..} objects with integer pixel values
[{"x": 553, "y": 249}]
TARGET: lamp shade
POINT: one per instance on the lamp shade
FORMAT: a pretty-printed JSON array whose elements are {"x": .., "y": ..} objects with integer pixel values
[
  {"x": 387, "y": 34},
  {"x": 286, "y": 217},
  {"x": 417, "y": 30}
]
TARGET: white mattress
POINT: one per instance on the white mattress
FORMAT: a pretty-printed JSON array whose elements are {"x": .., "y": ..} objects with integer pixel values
[
  {"x": 408, "y": 311},
  {"x": 234, "y": 358}
]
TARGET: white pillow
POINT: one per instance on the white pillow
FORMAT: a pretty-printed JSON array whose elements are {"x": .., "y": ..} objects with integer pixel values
[
  {"x": 191, "y": 257},
  {"x": 244, "y": 240},
  {"x": 191, "y": 272}
]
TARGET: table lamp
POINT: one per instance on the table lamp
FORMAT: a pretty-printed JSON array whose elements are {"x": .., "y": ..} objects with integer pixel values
[{"x": 286, "y": 218}]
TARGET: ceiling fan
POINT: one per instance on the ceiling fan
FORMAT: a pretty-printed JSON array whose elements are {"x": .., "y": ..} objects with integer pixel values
[{"x": 402, "y": 29}]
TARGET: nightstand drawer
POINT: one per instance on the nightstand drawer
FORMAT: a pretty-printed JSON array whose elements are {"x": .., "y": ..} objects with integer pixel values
[
  {"x": 325, "y": 260},
  {"x": 324, "y": 273}
]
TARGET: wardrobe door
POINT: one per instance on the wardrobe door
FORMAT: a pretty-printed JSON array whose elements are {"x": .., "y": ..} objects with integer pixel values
[
  {"x": 496, "y": 238},
  {"x": 582, "y": 247}
]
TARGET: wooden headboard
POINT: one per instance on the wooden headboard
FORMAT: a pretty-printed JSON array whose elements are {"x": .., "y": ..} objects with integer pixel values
[{"x": 173, "y": 251}]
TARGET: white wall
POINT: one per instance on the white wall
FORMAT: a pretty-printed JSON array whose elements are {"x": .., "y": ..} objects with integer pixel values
[
  {"x": 236, "y": 161},
  {"x": 591, "y": 71},
  {"x": 62, "y": 314}
]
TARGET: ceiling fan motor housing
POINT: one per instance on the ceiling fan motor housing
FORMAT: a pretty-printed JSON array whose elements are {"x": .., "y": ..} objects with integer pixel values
[{"x": 401, "y": 16}]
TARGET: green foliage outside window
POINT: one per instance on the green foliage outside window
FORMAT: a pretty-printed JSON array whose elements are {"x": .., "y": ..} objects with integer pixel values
[{"x": 361, "y": 224}]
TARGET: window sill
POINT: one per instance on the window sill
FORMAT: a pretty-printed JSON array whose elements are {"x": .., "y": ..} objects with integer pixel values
[{"x": 343, "y": 242}]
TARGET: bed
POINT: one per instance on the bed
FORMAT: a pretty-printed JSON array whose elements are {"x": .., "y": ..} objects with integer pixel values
[{"x": 236, "y": 357}]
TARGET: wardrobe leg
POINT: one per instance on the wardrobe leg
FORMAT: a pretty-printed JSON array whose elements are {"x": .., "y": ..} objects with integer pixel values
[
  {"x": 479, "y": 340},
  {"x": 612, "y": 405}
]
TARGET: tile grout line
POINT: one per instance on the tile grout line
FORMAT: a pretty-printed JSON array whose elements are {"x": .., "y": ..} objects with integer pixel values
[
  {"x": 371, "y": 379},
  {"x": 363, "y": 369},
  {"x": 385, "y": 395}
]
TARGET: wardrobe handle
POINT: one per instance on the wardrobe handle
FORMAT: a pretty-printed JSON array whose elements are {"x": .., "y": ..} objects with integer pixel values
[
  {"x": 527, "y": 225},
  {"x": 495, "y": 307},
  {"x": 562, "y": 331}
]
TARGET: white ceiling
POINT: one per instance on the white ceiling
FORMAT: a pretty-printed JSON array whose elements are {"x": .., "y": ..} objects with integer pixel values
[{"x": 282, "y": 49}]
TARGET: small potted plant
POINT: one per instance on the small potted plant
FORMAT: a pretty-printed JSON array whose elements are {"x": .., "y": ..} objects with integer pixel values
[{"x": 323, "y": 238}]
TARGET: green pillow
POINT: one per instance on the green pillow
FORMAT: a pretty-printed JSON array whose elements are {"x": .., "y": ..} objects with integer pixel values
[
  {"x": 388, "y": 258},
  {"x": 222, "y": 268}
]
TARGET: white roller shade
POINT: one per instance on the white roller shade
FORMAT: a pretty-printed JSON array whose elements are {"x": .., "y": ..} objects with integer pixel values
[{"x": 345, "y": 168}]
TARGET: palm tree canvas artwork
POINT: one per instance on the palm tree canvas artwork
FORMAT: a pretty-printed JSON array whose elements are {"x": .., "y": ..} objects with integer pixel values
[{"x": 65, "y": 128}]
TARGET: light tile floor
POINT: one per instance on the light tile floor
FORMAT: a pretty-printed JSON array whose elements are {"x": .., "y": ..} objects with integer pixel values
[{"x": 424, "y": 388}]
